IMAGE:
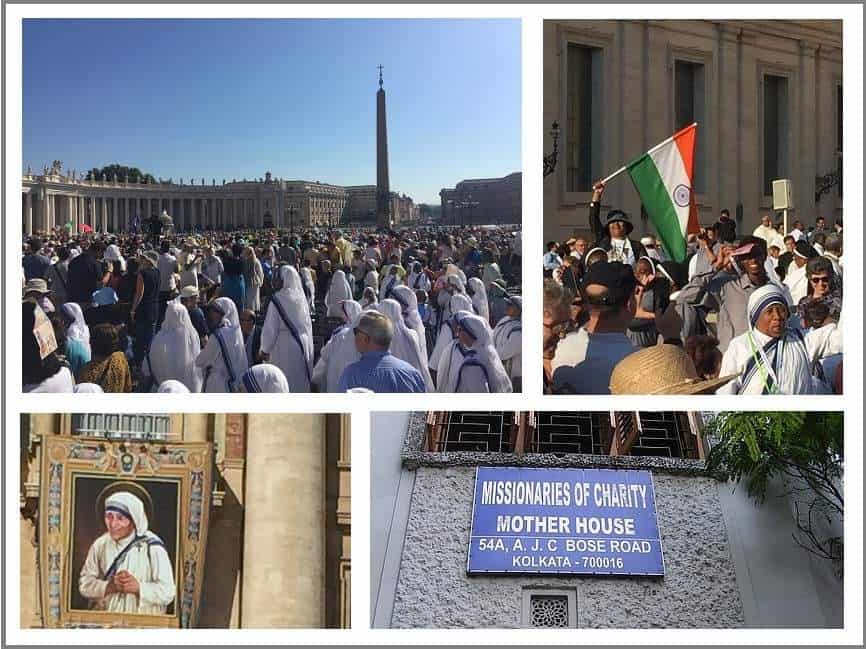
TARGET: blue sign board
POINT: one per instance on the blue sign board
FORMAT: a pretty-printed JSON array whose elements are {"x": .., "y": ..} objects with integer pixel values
[{"x": 564, "y": 521}]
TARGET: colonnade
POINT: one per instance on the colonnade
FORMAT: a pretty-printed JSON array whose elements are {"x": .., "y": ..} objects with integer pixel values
[{"x": 45, "y": 210}]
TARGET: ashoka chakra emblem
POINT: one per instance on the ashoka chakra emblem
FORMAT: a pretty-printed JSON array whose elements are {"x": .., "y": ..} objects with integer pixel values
[{"x": 682, "y": 195}]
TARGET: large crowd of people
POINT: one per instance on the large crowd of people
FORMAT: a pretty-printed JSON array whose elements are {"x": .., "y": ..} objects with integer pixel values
[
  {"x": 745, "y": 313},
  {"x": 417, "y": 309}
]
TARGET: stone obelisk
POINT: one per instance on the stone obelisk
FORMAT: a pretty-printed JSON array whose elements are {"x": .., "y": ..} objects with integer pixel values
[{"x": 383, "y": 186}]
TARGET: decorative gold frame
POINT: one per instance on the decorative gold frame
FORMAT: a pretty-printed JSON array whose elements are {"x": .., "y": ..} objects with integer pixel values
[{"x": 63, "y": 458}]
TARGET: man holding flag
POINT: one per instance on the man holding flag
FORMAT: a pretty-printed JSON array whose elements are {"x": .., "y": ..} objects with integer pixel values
[{"x": 663, "y": 177}]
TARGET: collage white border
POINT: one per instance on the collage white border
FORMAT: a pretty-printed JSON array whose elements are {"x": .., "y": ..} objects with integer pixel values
[{"x": 361, "y": 406}]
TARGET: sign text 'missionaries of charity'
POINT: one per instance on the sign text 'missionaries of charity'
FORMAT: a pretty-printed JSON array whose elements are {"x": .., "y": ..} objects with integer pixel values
[{"x": 578, "y": 521}]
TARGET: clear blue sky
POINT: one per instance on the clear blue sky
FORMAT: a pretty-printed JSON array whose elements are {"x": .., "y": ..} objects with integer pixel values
[{"x": 236, "y": 98}]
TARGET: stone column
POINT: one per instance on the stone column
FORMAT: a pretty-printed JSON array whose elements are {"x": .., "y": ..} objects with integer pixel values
[
  {"x": 283, "y": 563},
  {"x": 28, "y": 214},
  {"x": 115, "y": 221},
  {"x": 51, "y": 222},
  {"x": 105, "y": 214}
]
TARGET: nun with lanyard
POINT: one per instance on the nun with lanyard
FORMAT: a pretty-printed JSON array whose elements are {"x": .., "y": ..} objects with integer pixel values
[
  {"x": 409, "y": 303},
  {"x": 224, "y": 358},
  {"x": 448, "y": 332},
  {"x": 770, "y": 358},
  {"x": 287, "y": 334},
  {"x": 127, "y": 569},
  {"x": 480, "y": 369},
  {"x": 339, "y": 352}
]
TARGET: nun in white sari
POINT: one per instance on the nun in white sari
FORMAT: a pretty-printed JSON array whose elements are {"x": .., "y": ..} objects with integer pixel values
[
  {"x": 264, "y": 377},
  {"x": 475, "y": 289},
  {"x": 339, "y": 352},
  {"x": 390, "y": 281},
  {"x": 508, "y": 339},
  {"x": 458, "y": 302},
  {"x": 308, "y": 286},
  {"x": 174, "y": 349},
  {"x": 417, "y": 279},
  {"x": 452, "y": 355},
  {"x": 338, "y": 292},
  {"x": 480, "y": 370},
  {"x": 404, "y": 344},
  {"x": 409, "y": 303},
  {"x": 287, "y": 334},
  {"x": 223, "y": 359},
  {"x": 770, "y": 358},
  {"x": 371, "y": 279},
  {"x": 130, "y": 573}
]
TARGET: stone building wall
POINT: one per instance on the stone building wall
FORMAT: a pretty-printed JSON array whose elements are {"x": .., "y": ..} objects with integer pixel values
[
  {"x": 634, "y": 90},
  {"x": 699, "y": 588}
]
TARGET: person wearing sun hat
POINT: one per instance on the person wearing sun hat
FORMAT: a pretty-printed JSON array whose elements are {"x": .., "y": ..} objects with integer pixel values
[
  {"x": 770, "y": 358},
  {"x": 615, "y": 228}
]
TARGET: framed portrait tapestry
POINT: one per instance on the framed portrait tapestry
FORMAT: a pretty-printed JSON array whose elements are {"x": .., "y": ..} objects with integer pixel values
[{"x": 123, "y": 530}]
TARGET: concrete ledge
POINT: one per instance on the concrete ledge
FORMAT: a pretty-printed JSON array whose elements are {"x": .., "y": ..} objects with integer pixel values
[{"x": 414, "y": 456}]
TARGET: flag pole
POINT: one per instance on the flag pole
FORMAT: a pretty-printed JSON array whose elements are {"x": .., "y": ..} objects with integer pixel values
[{"x": 652, "y": 150}]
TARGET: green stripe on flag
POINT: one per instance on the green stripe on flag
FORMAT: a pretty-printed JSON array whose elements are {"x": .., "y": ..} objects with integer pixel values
[{"x": 659, "y": 206}]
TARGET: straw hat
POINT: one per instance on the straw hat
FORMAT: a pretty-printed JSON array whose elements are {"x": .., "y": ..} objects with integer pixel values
[
  {"x": 661, "y": 369},
  {"x": 36, "y": 285}
]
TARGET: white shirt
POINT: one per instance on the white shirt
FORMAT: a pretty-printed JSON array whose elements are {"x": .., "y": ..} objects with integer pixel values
[
  {"x": 60, "y": 382},
  {"x": 167, "y": 266}
]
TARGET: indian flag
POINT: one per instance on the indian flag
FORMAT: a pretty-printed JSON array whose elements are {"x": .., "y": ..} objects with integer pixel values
[{"x": 663, "y": 178}]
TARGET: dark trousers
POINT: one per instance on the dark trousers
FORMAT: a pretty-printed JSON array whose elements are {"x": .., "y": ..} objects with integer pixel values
[{"x": 144, "y": 329}]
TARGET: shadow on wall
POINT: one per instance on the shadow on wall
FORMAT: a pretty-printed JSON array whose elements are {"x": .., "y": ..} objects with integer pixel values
[{"x": 222, "y": 564}]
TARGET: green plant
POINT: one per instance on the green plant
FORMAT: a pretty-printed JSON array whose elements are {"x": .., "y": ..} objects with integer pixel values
[{"x": 804, "y": 448}]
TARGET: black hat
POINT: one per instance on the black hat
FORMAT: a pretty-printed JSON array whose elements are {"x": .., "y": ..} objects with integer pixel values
[
  {"x": 616, "y": 277},
  {"x": 617, "y": 215}
]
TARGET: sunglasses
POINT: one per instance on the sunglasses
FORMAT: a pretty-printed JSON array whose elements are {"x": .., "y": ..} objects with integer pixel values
[{"x": 819, "y": 279}]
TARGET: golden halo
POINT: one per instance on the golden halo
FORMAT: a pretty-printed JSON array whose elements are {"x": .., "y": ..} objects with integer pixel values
[{"x": 124, "y": 485}]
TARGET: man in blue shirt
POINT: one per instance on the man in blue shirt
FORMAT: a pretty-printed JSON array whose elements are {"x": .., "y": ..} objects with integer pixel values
[
  {"x": 34, "y": 262},
  {"x": 378, "y": 370}
]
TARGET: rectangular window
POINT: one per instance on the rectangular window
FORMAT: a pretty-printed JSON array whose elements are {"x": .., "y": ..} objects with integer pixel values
[
  {"x": 583, "y": 117},
  {"x": 689, "y": 107},
  {"x": 140, "y": 427},
  {"x": 775, "y": 130}
]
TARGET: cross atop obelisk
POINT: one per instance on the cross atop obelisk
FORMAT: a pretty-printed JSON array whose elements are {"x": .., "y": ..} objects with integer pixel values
[{"x": 383, "y": 185}]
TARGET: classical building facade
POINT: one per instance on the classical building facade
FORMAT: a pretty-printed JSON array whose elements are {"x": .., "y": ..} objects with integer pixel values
[
  {"x": 483, "y": 201},
  {"x": 278, "y": 549},
  {"x": 766, "y": 94},
  {"x": 361, "y": 206},
  {"x": 727, "y": 562},
  {"x": 56, "y": 198}
]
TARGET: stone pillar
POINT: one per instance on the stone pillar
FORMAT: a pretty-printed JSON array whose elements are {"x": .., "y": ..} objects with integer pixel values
[
  {"x": 283, "y": 563},
  {"x": 28, "y": 214},
  {"x": 197, "y": 427},
  {"x": 50, "y": 211},
  {"x": 115, "y": 221},
  {"x": 105, "y": 214}
]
